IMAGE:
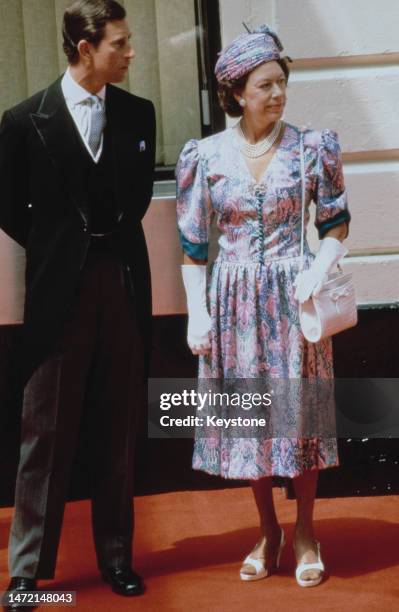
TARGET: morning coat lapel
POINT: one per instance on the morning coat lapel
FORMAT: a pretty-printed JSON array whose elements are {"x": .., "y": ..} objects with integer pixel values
[{"x": 57, "y": 131}]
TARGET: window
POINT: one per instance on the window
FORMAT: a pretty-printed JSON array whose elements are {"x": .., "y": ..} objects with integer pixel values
[{"x": 176, "y": 45}]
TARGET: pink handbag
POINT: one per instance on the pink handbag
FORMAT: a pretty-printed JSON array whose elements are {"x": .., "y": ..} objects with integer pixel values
[{"x": 333, "y": 309}]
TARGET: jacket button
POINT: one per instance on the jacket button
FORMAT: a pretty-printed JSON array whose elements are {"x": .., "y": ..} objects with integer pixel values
[{"x": 85, "y": 228}]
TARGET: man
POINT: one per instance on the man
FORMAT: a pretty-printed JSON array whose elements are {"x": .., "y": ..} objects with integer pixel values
[{"x": 76, "y": 169}]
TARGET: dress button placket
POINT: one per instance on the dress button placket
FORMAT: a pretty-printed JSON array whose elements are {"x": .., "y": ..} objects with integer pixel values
[{"x": 260, "y": 193}]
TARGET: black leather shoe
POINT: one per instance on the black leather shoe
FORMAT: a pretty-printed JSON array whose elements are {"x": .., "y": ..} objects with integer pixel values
[
  {"x": 19, "y": 585},
  {"x": 123, "y": 581}
]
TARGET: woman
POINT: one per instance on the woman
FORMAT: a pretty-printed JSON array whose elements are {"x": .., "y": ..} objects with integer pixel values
[{"x": 249, "y": 177}]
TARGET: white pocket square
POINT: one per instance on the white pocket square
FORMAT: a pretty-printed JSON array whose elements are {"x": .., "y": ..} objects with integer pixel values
[{"x": 142, "y": 146}]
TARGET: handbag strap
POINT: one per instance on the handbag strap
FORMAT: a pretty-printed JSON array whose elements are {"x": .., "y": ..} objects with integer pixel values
[{"x": 303, "y": 196}]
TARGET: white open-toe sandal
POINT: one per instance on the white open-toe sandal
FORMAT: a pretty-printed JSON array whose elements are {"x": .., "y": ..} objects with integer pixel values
[
  {"x": 302, "y": 567},
  {"x": 259, "y": 564}
]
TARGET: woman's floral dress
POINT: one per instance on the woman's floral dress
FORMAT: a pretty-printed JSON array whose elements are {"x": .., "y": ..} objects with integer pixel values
[{"x": 255, "y": 325}]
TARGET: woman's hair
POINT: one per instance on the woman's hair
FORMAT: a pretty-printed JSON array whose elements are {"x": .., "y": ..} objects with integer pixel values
[
  {"x": 86, "y": 20},
  {"x": 226, "y": 91}
]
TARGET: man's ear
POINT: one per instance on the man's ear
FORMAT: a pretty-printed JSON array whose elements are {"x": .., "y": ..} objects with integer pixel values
[{"x": 84, "y": 49}]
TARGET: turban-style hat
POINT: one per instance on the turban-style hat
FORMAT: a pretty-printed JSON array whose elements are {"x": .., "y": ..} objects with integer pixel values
[{"x": 246, "y": 52}]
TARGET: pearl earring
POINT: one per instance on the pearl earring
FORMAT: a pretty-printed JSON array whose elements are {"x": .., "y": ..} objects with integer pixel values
[{"x": 242, "y": 102}]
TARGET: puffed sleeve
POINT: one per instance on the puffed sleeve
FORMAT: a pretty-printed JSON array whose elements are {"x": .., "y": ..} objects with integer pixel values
[
  {"x": 330, "y": 195},
  {"x": 194, "y": 209}
]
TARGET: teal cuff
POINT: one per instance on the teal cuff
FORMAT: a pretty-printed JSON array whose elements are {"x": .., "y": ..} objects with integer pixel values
[
  {"x": 342, "y": 217},
  {"x": 193, "y": 249}
]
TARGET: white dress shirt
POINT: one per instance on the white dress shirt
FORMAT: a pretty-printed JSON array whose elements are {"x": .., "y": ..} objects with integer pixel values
[{"x": 78, "y": 103}]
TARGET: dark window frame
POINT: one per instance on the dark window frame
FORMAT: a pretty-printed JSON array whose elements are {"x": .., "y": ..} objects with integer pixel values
[{"x": 207, "y": 20}]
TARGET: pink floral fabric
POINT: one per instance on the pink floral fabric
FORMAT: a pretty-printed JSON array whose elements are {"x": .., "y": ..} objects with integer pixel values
[{"x": 255, "y": 325}]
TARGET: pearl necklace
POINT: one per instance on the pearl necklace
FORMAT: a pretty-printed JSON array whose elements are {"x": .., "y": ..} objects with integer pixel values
[{"x": 261, "y": 147}]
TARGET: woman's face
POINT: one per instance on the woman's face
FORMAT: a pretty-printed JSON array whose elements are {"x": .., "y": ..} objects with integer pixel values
[{"x": 265, "y": 93}]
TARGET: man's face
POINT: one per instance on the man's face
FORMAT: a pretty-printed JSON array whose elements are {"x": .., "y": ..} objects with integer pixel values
[{"x": 112, "y": 56}]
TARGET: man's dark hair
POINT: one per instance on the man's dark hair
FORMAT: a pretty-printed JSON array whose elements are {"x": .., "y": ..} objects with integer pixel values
[{"x": 86, "y": 20}]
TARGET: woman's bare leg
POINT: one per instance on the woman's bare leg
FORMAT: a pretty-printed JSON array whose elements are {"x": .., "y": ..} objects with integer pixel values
[
  {"x": 270, "y": 531},
  {"x": 304, "y": 539}
]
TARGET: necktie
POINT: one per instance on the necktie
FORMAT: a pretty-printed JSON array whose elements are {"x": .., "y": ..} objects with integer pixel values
[{"x": 97, "y": 123}]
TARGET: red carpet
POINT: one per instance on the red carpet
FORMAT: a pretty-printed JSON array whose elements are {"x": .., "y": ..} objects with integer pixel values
[{"x": 189, "y": 547}]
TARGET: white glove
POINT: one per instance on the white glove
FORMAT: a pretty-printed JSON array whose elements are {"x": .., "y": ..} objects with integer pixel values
[
  {"x": 199, "y": 321},
  {"x": 309, "y": 282}
]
